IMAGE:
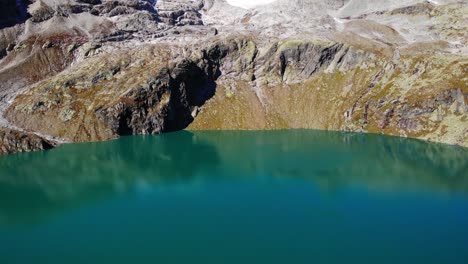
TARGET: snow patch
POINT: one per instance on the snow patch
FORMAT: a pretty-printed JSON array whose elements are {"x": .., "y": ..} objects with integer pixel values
[{"x": 249, "y": 3}]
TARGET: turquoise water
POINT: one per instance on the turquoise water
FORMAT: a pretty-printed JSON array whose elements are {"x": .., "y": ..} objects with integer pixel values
[{"x": 237, "y": 197}]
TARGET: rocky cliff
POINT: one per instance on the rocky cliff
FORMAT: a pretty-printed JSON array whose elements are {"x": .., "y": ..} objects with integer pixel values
[
  {"x": 12, "y": 141},
  {"x": 90, "y": 70}
]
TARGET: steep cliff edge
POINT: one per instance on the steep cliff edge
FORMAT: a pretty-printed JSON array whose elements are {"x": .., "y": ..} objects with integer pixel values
[
  {"x": 145, "y": 67},
  {"x": 337, "y": 87}
]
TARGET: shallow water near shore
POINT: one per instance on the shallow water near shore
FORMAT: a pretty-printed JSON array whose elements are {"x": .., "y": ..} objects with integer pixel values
[{"x": 296, "y": 196}]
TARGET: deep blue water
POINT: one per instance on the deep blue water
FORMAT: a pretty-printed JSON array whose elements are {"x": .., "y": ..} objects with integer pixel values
[{"x": 237, "y": 197}]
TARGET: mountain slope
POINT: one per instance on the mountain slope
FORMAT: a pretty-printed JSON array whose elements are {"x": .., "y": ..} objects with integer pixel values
[{"x": 93, "y": 70}]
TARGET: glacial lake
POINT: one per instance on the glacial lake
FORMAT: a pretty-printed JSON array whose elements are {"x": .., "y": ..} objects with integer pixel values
[{"x": 296, "y": 196}]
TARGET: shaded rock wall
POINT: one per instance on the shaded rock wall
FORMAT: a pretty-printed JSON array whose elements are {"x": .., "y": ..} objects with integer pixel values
[
  {"x": 12, "y": 141},
  {"x": 100, "y": 101}
]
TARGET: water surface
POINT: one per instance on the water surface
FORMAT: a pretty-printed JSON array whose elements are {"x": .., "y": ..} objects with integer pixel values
[{"x": 237, "y": 197}]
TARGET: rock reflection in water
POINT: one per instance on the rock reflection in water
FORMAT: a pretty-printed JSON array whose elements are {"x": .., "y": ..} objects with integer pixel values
[{"x": 36, "y": 185}]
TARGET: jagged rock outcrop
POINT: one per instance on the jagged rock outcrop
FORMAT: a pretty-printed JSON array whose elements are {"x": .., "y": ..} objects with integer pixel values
[
  {"x": 12, "y": 141},
  {"x": 342, "y": 88},
  {"x": 180, "y": 12},
  {"x": 102, "y": 102},
  {"x": 165, "y": 103},
  {"x": 94, "y": 70}
]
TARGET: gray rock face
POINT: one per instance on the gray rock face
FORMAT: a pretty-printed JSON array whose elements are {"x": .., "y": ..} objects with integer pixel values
[
  {"x": 12, "y": 141},
  {"x": 43, "y": 10},
  {"x": 43, "y": 13},
  {"x": 298, "y": 62},
  {"x": 115, "y": 8},
  {"x": 174, "y": 92},
  {"x": 180, "y": 12}
]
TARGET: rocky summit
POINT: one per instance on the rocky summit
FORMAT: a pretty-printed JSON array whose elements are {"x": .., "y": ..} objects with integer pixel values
[{"x": 91, "y": 70}]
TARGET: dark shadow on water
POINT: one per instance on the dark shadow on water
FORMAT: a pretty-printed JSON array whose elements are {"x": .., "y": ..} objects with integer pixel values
[{"x": 36, "y": 185}]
